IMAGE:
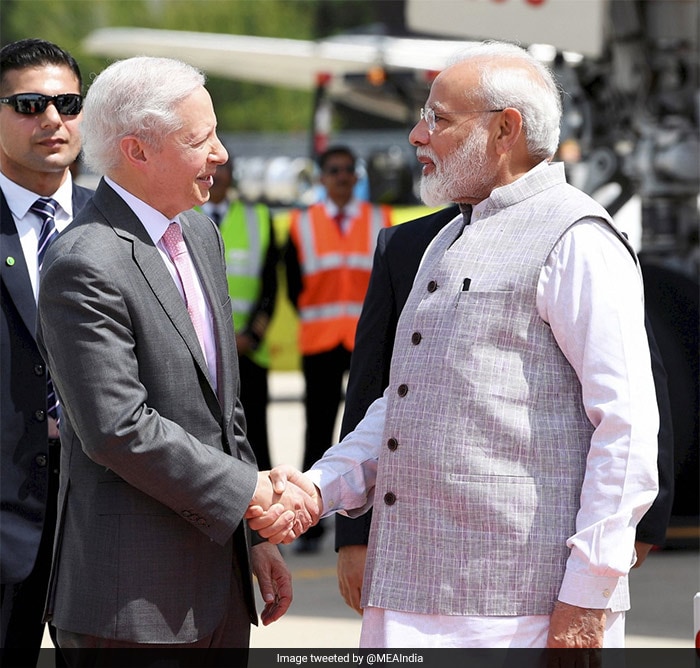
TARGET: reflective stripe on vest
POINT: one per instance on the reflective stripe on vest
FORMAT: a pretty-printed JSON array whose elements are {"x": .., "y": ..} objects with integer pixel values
[
  {"x": 313, "y": 313},
  {"x": 314, "y": 262}
]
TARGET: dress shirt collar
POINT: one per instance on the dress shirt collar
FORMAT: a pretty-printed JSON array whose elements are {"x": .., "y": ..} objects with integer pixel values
[
  {"x": 350, "y": 210},
  {"x": 153, "y": 221},
  {"x": 20, "y": 200}
]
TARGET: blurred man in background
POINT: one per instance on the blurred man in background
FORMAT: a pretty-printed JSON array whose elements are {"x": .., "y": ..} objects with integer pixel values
[{"x": 328, "y": 260}]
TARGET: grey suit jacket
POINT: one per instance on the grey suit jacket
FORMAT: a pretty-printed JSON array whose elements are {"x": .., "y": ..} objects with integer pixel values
[
  {"x": 24, "y": 452},
  {"x": 156, "y": 469}
]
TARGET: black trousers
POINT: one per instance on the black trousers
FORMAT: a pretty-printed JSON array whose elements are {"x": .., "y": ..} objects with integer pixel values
[
  {"x": 323, "y": 378},
  {"x": 22, "y": 604},
  {"x": 255, "y": 397}
]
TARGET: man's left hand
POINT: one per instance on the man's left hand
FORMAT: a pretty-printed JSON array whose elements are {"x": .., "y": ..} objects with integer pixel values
[
  {"x": 571, "y": 626},
  {"x": 274, "y": 580}
]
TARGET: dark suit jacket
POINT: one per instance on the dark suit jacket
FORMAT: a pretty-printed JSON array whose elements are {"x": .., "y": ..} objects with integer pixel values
[
  {"x": 24, "y": 468},
  {"x": 156, "y": 471},
  {"x": 398, "y": 254}
]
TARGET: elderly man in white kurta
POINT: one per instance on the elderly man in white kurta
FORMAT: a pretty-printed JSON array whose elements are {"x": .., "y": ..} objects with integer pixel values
[{"x": 514, "y": 450}]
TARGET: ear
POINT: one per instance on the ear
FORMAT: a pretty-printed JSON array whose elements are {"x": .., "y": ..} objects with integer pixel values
[
  {"x": 509, "y": 130},
  {"x": 134, "y": 151}
]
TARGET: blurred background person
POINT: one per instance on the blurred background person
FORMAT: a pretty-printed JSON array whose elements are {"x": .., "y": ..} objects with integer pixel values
[
  {"x": 328, "y": 262},
  {"x": 251, "y": 268}
]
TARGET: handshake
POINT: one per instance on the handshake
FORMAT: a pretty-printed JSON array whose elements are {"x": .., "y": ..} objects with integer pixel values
[{"x": 285, "y": 504}]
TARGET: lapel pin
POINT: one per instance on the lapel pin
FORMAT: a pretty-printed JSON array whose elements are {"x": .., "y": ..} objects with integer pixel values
[{"x": 10, "y": 261}]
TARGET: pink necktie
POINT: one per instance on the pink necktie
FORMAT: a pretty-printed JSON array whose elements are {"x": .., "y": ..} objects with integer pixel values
[{"x": 175, "y": 245}]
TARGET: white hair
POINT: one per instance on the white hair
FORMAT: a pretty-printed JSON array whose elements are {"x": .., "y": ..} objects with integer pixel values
[
  {"x": 137, "y": 96},
  {"x": 512, "y": 77}
]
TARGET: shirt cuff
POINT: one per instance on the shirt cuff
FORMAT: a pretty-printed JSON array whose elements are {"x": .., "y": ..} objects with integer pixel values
[
  {"x": 329, "y": 502},
  {"x": 589, "y": 591}
]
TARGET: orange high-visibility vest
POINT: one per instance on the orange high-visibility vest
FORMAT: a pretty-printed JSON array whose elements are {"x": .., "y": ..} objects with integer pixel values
[{"x": 335, "y": 273}]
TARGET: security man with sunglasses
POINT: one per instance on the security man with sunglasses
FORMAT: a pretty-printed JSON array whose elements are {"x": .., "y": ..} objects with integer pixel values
[
  {"x": 329, "y": 260},
  {"x": 40, "y": 113}
]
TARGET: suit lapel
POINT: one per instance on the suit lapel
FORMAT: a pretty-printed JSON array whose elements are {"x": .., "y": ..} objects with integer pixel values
[
  {"x": 15, "y": 274},
  {"x": 149, "y": 261}
]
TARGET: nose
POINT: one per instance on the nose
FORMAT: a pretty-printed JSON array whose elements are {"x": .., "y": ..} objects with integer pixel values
[
  {"x": 218, "y": 152},
  {"x": 419, "y": 135},
  {"x": 50, "y": 116}
]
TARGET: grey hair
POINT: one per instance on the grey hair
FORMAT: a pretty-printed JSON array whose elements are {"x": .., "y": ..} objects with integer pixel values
[
  {"x": 535, "y": 95},
  {"x": 137, "y": 96}
]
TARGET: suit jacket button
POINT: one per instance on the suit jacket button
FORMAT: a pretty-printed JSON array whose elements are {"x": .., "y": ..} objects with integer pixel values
[
  {"x": 402, "y": 390},
  {"x": 40, "y": 415},
  {"x": 186, "y": 513},
  {"x": 392, "y": 444},
  {"x": 416, "y": 338},
  {"x": 432, "y": 286},
  {"x": 390, "y": 498},
  {"x": 41, "y": 460}
]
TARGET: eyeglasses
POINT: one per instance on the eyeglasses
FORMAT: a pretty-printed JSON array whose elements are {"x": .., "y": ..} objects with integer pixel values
[
  {"x": 67, "y": 104},
  {"x": 334, "y": 171},
  {"x": 427, "y": 114}
]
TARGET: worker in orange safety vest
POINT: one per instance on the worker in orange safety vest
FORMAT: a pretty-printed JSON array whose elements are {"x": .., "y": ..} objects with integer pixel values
[{"x": 328, "y": 263}]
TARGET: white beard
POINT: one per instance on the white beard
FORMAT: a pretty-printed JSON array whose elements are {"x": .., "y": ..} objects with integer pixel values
[{"x": 460, "y": 176}]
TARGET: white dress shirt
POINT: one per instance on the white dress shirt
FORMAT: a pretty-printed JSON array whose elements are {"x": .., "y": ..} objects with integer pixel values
[
  {"x": 350, "y": 211},
  {"x": 28, "y": 224}
]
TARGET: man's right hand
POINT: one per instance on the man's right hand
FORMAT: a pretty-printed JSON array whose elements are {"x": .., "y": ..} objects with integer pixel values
[{"x": 351, "y": 570}]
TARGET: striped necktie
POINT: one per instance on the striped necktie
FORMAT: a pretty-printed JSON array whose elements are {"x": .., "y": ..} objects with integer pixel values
[{"x": 45, "y": 208}]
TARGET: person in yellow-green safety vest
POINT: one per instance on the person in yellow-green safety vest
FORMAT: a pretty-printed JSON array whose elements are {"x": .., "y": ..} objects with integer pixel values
[{"x": 251, "y": 267}]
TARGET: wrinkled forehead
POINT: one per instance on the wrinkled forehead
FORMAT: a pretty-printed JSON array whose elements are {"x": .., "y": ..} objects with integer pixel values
[{"x": 455, "y": 85}]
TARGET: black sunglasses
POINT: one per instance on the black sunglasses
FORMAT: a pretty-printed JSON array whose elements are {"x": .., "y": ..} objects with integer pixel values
[
  {"x": 68, "y": 104},
  {"x": 337, "y": 170}
]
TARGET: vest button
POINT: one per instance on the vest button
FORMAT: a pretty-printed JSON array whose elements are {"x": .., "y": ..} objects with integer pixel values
[
  {"x": 390, "y": 498},
  {"x": 39, "y": 369},
  {"x": 392, "y": 444},
  {"x": 416, "y": 338},
  {"x": 432, "y": 286},
  {"x": 403, "y": 390},
  {"x": 40, "y": 415},
  {"x": 41, "y": 461}
]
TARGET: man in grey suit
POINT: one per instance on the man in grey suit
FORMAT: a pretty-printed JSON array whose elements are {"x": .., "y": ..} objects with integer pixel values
[
  {"x": 136, "y": 325},
  {"x": 39, "y": 141}
]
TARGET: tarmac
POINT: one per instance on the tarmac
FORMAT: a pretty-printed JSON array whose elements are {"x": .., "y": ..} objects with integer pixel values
[{"x": 662, "y": 589}]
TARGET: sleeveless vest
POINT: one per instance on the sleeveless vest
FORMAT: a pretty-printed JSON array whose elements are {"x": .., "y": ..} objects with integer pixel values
[{"x": 486, "y": 436}]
